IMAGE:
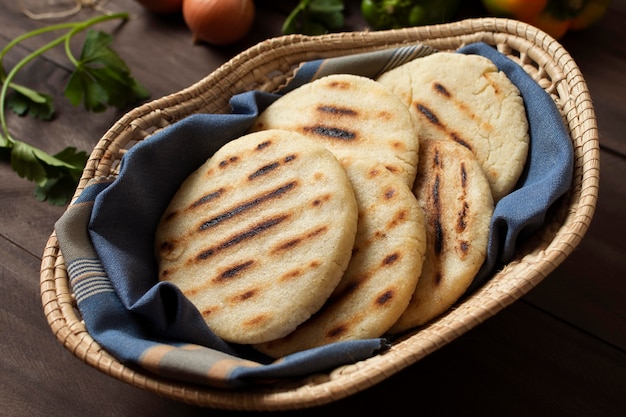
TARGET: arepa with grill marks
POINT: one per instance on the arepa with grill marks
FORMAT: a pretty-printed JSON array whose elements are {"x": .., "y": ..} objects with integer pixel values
[
  {"x": 353, "y": 116},
  {"x": 260, "y": 235},
  {"x": 455, "y": 195},
  {"x": 382, "y": 275},
  {"x": 465, "y": 99}
]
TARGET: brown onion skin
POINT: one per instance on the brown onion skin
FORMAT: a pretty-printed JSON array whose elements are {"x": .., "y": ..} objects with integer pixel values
[
  {"x": 218, "y": 22},
  {"x": 162, "y": 6}
]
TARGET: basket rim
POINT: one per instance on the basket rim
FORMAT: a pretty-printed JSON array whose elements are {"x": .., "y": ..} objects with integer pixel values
[{"x": 519, "y": 277}]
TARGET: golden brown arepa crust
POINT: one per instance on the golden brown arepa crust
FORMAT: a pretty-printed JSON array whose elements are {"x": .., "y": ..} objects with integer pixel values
[
  {"x": 260, "y": 235},
  {"x": 455, "y": 195},
  {"x": 383, "y": 272},
  {"x": 353, "y": 116},
  {"x": 464, "y": 98}
]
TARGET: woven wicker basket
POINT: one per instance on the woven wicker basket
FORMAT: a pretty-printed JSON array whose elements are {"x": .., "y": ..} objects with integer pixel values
[{"x": 265, "y": 67}]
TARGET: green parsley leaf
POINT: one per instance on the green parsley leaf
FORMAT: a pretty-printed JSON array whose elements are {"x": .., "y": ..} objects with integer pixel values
[
  {"x": 24, "y": 105},
  {"x": 61, "y": 180},
  {"x": 25, "y": 163},
  {"x": 101, "y": 78},
  {"x": 57, "y": 191},
  {"x": 315, "y": 17}
]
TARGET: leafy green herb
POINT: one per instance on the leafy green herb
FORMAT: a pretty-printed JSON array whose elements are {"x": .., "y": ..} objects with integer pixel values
[
  {"x": 315, "y": 17},
  {"x": 100, "y": 79},
  {"x": 39, "y": 106},
  {"x": 395, "y": 14}
]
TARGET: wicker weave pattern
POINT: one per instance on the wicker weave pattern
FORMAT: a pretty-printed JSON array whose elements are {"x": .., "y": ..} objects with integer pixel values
[{"x": 266, "y": 67}]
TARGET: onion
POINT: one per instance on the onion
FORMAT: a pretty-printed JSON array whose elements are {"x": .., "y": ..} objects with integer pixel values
[
  {"x": 162, "y": 6},
  {"x": 218, "y": 22}
]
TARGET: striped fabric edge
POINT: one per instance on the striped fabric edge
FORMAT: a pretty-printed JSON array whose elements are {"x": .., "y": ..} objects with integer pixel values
[
  {"x": 405, "y": 54},
  {"x": 88, "y": 278}
]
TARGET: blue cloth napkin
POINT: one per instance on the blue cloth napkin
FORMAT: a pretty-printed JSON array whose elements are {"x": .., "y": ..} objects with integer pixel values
[{"x": 107, "y": 235}]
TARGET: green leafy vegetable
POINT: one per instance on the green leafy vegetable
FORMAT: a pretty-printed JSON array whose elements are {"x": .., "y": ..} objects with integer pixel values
[
  {"x": 100, "y": 79},
  {"x": 315, "y": 17},
  {"x": 40, "y": 106},
  {"x": 395, "y": 14}
]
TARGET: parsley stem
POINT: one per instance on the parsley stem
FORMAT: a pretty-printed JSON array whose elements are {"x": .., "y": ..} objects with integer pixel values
[
  {"x": 85, "y": 25},
  {"x": 75, "y": 28},
  {"x": 32, "y": 34},
  {"x": 7, "y": 81}
]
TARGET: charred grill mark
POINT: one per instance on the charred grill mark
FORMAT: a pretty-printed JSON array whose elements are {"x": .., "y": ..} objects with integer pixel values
[
  {"x": 317, "y": 202},
  {"x": 463, "y": 212},
  {"x": 384, "y": 298},
  {"x": 464, "y": 246},
  {"x": 224, "y": 163},
  {"x": 432, "y": 118},
  {"x": 209, "y": 197},
  {"x": 439, "y": 88},
  {"x": 234, "y": 271},
  {"x": 291, "y": 275},
  {"x": 438, "y": 278},
  {"x": 385, "y": 115},
  {"x": 341, "y": 111},
  {"x": 439, "y": 235},
  {"x": 264, "y": 170},
  {"x": 277, "y": 193},
  {"x": 455, "y": 137},
  {"x": 331, "y": 132},
  {"x": 336, "y": 331},
  {"x": 245, "y": 295},
  {"x": 236, "y": 239},
  {"x": 494, "y": 85},
  {"x": 462, "y": 218},
  {"x": 392, "y": 168},
  {"x": 399, "y": 218},
  {"x": 353, "y": 286},
  {"x": 347, "y": 290},
  {"x": 271, "y": 167},
  {"x": 373, "y": 173},
  {"x": 389, "y": 193},
  {"x": 263, "y": 145},
  {"x": 343, "y": 85},
  {"x": 255, "y": 321},
  {"x": 463, "y": 176},
  {"x": 167, "y": 247},
  {"x": 390, "y": 259},
  {"x": 298, "y": 272},
  {"x": 293, "y": 242},
  {"x": 437, "y": 159}
]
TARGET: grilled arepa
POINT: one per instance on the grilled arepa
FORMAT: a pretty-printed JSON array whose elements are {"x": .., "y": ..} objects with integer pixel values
[
  {"x": 353, "y": 116},
  {"x": 464, "y": 98},
  {"x": 260, "y": 235},
  {"x": 383, "y": 272},
  {"x": 455, "y": 195}
]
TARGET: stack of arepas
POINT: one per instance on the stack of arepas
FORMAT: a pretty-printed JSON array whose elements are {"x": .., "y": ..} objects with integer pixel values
[{"x": 353, "y": 208}]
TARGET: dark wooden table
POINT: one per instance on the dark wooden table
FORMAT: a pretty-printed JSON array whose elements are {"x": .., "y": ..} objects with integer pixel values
[{"x": 559, "y": 351}]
